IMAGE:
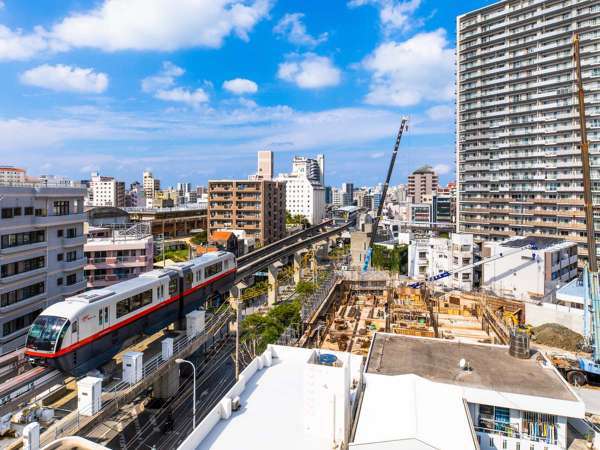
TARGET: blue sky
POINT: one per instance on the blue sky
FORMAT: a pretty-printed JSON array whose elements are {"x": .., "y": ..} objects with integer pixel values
[{"x": 191, "y": 89}]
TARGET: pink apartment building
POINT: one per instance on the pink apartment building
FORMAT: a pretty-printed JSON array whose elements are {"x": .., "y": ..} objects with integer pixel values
[{"x": 115, "y": 255}]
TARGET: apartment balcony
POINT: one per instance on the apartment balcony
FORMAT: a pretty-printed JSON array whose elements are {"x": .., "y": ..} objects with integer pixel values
[
  {"x": 118, "y": 261},
  {"x": 23, "y": 303},
  {"x": 569, "y": 201},
  {"x": 74, "y": 288},
  {"x": 570, "y": 213},
  {"x": 23, "y": 248},
  {"x": 250, "y": 207},
  {"x": 571, "y": 226},
  {"x": 220, "y": 198},
  {"x": 48, "y": 221},
  {"x": 497, "y": 439},
  {"x": 220, "y": 188},
  {"x": 22, "y": 275},
  {"x": 72, "y": 265},
  {"x": 75, "y": 241}
]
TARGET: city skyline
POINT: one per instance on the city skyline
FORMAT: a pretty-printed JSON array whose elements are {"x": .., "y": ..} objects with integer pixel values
[{"x": 203, "y": 105}]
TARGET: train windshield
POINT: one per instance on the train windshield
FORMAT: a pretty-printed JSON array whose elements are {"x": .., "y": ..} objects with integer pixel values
[{"x": 45, "y": 331}]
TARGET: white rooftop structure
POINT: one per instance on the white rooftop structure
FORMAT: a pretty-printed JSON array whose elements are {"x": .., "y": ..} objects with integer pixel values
[{"x": 288, "y": 400}]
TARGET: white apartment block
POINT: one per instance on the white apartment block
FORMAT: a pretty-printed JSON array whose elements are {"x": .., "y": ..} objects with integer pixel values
[
  {"x": 304, "y": 193},
  {"x": 517, "y": 138},
  {"x": 531, "y": 273},
  {"x": 429, "y": 257},
  {"x": 151, "y": 185},
  {"x": 41, "y": 253},
  {"x": 105, "y": 191}
]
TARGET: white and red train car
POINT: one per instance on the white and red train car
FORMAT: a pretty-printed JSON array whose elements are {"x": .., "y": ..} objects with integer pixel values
[{"x": 85, "y": 331}]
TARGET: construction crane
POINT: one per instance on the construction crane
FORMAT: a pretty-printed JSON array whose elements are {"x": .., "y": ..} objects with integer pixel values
[
  {"x": 403, "y": 126},
  {"x": 578, "y": 372}
]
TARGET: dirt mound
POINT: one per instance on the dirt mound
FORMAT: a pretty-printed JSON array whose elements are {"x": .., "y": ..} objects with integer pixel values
[{"x": 555, "y": 335}]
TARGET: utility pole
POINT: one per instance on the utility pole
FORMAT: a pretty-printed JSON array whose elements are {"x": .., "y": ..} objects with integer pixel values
[{"x": 585, "y": 162}]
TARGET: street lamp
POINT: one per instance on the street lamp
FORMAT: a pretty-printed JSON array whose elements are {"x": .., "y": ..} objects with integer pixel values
[{"x": 180, "y": 361}]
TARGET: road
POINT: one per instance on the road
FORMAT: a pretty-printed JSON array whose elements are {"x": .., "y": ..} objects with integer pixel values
[{"x": 168, "y": 425}]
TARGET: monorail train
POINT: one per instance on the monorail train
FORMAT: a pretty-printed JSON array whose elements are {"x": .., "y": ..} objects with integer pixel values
[{"x": 85, "y": 331}]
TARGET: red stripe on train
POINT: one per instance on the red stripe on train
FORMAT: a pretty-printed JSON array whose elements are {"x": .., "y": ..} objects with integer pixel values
[{"x": 127, "y": 321}]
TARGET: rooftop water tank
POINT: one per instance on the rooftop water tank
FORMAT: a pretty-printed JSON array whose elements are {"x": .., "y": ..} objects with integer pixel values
[
  {"x": 327, "y": 359},
  {"x": 519, "y": 344}
]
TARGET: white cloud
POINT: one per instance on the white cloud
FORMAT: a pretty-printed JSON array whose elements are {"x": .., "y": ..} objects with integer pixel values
[
  {"x": 440, "y": 112},
  {"x": 377, "y": 155},
  {"x": 240, "y": 86},
  {"x": 309, "y": 71},
  {"x": 164, "y": 79},
  {"x": 294, "y": 30},
  {"x": 410, "y": 72},
  {"x": 64, "y": 78},
  {"x": 181, "y": 95},
  {"x": 163, "y": 25},
  {"x": 442, "y": 169},
  {"x": 393, "y": 14},
  {"x": 162, "y": 86}
]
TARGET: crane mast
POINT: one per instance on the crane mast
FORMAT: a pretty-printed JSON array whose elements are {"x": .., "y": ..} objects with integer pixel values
[{"x": 384, "y": 193}]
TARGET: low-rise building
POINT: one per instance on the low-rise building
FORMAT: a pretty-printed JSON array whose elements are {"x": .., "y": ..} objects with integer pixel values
[
  {"x": 480, "y": 386},
  {"x": 531, "y": 267},
  {"x": 114, "y": 254},
  {"x": 177, "y": 222},
  {"x": 432, "y": 256},
  {"x": 225, "y": 240}
]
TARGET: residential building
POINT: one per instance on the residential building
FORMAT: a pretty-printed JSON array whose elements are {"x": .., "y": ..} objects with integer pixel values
[
  {"x": 225, "y": 240},
  {"x": 337, "y": 197},
  {"x": 517, "y": 138},
  {"x": 420, "y": 213},
  {"x": 41, "y": 253},
  {"x": 265, "y": 165},
  {"x": 347, "y": 194},
  {"x": 135, "y": 197},
  {"x": 151, "y": 185},
  {"x": 314, "y": 169},
  {"x": 11, "y": 175},
  {"x": 117, "y": 253},
  {"x": 431, "y": 256},
  {"x": 441, "y": 206},
  {"x": 423, "y": 181},
  {"x": 105, "y": 191},
  {"x": 255, "y": 206},
  {"x": 304, "y": 194},
  {"x": 484, "y": 390},
  {"x": 531, "y": 268}
]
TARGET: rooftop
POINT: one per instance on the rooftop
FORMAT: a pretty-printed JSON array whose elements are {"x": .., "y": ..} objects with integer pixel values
[
  {"x": 572, "y": 291},
  {"x": 538, "y": 242},
  {"x": 221, "y": 235},
  {"x": 277, "y": 408},
  {"x": 509, "y": 380}
]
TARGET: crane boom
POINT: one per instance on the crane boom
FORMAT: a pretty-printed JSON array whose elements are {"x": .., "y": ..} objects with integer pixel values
[{"x": 384, "y": 193}]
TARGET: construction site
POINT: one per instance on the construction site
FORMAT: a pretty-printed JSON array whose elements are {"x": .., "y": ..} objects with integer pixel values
[{"x": 368, "y": 302}]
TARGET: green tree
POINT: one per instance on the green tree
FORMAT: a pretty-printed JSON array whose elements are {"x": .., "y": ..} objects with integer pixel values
[
  {"x": 199, "y": 238},
  {"x": 305, "y": 288},
  {"x": 394, "y": 259}
]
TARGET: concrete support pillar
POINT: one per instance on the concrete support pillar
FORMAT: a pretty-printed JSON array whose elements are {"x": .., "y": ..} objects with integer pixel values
[
  {"x": 235, "y": 301},
  {"x": 167, "y": 385},
  {"x": 297, "y": 267},
  {"x": 273, "y": 292}
]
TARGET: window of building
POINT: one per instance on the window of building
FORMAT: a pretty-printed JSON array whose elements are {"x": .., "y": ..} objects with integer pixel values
[
  {"x": 40, "y": 212},
  {"x": 18, "y": 295},
  {"x": 18, "y": 267},
  {"x": 7, "y": 213},
  {"x": 60, "y": 233},
  {"x": 71, "y": 256},
  {"x": 71, "y": 279},
  {"x": 59, "y": 281},
  {"x": 18, "y": 239},
  {"x": 29, "y": 210},
  {"x": 59, "y": 256},
  {"x": 17, "y": 211},
  {"x": 71, "y": 233},
  {"x": 61, "y": 208},
  {"x": 12, "y": 326}
]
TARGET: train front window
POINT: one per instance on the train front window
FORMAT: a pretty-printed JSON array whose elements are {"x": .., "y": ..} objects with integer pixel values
[{"x": 45, "y": 332}]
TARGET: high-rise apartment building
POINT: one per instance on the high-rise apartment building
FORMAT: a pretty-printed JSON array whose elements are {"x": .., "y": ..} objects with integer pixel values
[
  {"x": 265, "y": 165},
  {"x": 41, "y": 253},
  {"x": 423, "y": 181},
  {"x": 151, "y": 185},
  {"x": 313, "y": 168},
  {"x": 105, "y": 191},
  {"x": 518, "y": 162},
  {"x": 255, "y": 206},
  {"x": 347, "y": 194}
]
